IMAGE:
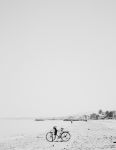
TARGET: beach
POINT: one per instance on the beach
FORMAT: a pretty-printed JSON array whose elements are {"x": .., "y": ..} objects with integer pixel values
[{"x": 90, "y": 135}]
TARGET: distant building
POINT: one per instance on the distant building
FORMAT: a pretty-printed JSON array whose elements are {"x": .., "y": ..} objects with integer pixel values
[
  {"x": 102, "y": 116},
  {"x": 111, "y": 115},
  {"x": 94, "y": 116}
]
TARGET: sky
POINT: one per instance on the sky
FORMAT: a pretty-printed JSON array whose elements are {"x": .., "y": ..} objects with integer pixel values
[{"x": 57, "y": 57}]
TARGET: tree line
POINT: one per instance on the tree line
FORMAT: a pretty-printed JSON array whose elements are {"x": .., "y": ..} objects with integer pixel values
[{"x": 103, "y": 115}]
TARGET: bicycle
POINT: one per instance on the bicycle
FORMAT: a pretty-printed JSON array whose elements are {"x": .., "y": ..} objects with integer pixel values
[{"x": 63, "y": 135}]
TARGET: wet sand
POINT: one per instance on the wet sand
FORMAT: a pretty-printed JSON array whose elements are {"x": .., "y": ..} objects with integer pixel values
[{"x": 90, "y": 135}]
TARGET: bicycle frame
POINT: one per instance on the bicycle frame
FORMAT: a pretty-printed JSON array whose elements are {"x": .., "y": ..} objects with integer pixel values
[{"x": 59, "y": 135}]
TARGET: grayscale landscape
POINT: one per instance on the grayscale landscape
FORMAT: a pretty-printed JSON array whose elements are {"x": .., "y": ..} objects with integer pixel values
[{"x": 57, "y": 74}]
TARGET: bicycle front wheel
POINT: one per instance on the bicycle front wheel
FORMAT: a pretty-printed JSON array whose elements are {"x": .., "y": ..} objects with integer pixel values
[
  {"x": 65, "y": 136},
  {"x": 50, "y": 137}
]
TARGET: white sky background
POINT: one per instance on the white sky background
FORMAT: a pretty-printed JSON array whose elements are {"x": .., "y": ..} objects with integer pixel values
[{"x": 57, "y": 57}]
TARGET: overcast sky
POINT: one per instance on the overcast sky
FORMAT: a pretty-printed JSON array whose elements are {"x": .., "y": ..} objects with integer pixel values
[{"x": 57, "y": 57}]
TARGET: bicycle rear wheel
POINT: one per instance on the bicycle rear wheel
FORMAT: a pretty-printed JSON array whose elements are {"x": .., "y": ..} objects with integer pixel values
[
  {"x": 50, "y": 137},
  {"x": 65, "y": 136}
]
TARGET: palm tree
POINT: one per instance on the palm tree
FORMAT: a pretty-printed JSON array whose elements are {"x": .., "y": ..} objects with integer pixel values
[
  {"x": 106, "y": 113},
  {"x": 100, "y": 111}
]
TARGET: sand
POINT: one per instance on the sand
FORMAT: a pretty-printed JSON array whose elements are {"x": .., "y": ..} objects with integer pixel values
[{"x": 90, "y": 135}]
